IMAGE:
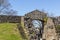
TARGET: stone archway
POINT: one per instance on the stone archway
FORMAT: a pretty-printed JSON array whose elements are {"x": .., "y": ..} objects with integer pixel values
[
  {"x": 29, "y": 23},
  {"x": 46, "y": 32}
]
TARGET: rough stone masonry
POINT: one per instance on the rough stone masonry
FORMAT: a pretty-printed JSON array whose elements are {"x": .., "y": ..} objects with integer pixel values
[{"x": 49, "y": 31}]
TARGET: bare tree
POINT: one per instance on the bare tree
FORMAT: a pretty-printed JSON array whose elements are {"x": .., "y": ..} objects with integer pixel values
[
  {"x": 4, "y": 4},
  {"x": 11, "y": 13},
  {"x": 5, "y": 8}
]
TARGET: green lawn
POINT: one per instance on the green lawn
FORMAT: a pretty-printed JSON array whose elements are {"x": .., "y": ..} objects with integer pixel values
[{"x": 9, "y": 31}]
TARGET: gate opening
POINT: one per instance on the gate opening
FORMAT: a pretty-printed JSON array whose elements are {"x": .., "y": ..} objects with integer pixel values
[{"x": 38, "y": 25}]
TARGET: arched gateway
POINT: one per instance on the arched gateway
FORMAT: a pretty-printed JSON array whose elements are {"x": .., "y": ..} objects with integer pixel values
[
  {"x": 38, "y": 28},
  {"x": 34, "y": 22}
]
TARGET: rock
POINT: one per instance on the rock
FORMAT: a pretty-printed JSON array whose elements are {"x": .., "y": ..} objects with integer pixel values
[{"x": 49, "y": 30}]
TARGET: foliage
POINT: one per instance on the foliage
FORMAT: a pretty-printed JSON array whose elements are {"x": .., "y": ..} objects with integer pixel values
[
  {"x": 58, "y": 27},
  {"x": 45, "y": 20}
]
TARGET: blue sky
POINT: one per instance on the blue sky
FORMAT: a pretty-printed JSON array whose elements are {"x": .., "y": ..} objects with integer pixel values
[{"x": 25, "y": 6}]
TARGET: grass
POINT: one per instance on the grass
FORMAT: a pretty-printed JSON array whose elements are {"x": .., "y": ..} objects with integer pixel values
[{"x": 9, "y": 31}]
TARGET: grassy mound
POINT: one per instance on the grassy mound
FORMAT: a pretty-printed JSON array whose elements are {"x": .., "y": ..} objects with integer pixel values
[{"x": 9, "y": 31}]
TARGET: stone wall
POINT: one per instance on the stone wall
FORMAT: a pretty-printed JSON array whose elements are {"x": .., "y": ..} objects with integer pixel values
[
  {"x": 49, "y": 31},
  {"x": 36, "y": 14},
  {"x": 10, "y": 19}
]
